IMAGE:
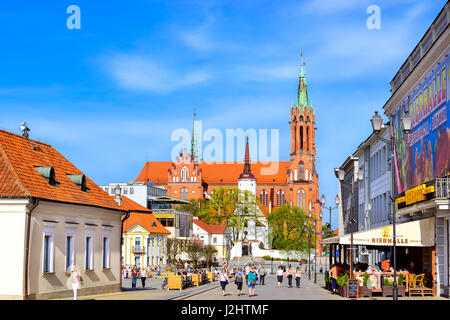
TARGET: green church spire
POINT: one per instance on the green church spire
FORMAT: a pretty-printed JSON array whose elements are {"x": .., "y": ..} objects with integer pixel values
[
  {"x": 194, "y": 148},
  {"x": 302, "y": 93}
]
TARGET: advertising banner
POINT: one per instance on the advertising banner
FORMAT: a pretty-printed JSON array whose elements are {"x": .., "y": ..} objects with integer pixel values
[{"x": 425, "y": 154}]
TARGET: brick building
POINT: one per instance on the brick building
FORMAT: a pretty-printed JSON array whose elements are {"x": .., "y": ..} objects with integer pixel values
[{"x": 295, "y": 182}]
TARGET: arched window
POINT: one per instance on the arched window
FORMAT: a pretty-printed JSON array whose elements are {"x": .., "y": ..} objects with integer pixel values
[
  {"x": 301, "y": 199},
  {"x": 184, "y": 194},
  {"x": 184, "y": 174},
  {"x": 280, "y": 198},
  {"x": 301, "y": 137},
  {"x": 310, "y": 205},
  {"x": 307, "y": 138},
  {"x": 295, "y": 139},
  {"x": 301, "y": 170},
  {"x": 306, "y": 174},
  {"x": 295, "y": 174},
  {"x": 264, "y": 198}
]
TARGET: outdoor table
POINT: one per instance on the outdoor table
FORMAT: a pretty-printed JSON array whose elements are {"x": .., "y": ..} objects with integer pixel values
[{"x": 377, "y": 278}]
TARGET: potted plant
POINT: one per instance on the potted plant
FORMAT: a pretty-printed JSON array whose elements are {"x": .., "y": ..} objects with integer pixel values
[
  {"x": 328, "y": 280},
  {"x": 364, "y": 290},
  {"x": 343, "y": 284},
  {"x": 400, "y": 287},
  {"x": 387, "y": 287}
]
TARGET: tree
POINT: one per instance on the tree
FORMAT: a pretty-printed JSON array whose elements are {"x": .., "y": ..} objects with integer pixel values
[
  {"x": 194, "y": 251},
  {"x": 327, "y": 233},
  {"x": 288, "y": 230},
  {"x": 209, "y": 252},
  {"x": 172, "y": 249}
]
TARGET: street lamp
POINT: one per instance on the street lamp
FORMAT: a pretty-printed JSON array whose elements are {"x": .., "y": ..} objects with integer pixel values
[
  {"x": 323, "y": 200},
  {"x": 309, "y": 247},
  {"x": 406, "y": 122},
  {"x": 315, "y": 247}
]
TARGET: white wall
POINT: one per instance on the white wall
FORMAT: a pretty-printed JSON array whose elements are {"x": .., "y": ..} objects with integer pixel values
[{"x": 12, "y": 247}]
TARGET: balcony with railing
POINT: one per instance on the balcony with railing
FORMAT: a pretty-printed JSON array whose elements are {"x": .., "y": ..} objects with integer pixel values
[
  {"x": 138, "y": 249},
  {"x": 442, "y": 188}
]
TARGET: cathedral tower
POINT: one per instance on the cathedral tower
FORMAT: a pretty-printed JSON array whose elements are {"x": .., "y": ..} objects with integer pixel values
[{"x": 303, "y": 178}]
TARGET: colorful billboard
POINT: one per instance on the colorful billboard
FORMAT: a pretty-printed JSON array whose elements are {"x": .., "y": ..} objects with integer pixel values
[{"x": 425, "y": 154}]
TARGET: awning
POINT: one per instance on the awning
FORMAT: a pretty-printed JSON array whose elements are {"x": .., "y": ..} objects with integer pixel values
[
  {"x": 419, "y": 233},
  {"x": 169, "y": 200},
  {"x": 332, "y": 240}
]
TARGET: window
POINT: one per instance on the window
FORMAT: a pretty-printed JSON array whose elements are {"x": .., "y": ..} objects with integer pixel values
[
  {"x": 301, "y": 199},
  {"x": 131, "y": 190},
  {"x": 48, "y": 252},
  {"x": 184, "y": 174},
  {"x": 301, "y": 169},
  {"x": 125, "y": 190},
  {"x": 306, "y": 174},
  {"x": 214, "y": 240},
  {"x": 184, "y": 194},
  {"x": 89, "y": 253},
  {"x": 263, "y": 198},
  {"x": 280, "y": 198},
  {"x": 70, "y": 250},
  {"x": 107, "y": 189},
  {"x": 106, "y": 251}
]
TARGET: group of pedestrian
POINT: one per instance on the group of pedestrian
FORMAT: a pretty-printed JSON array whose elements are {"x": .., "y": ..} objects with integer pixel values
[
  {"x": 289, "y": 273},
  {"x": 250, "y": 275},
  {"x": 136, "y": 273}
]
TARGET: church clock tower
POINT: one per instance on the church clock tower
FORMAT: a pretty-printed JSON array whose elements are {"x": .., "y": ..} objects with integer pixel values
[{"x": 303, "y": 179}]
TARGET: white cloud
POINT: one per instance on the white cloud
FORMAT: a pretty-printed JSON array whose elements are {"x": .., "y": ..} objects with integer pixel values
[{"x": 141, "y": 73}]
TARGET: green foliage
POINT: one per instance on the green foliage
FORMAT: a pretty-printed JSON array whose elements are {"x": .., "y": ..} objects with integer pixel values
[
  {"x": 365, "y": 278},
  {"x": 209, "y": 251},
  {"x": 342, "y": 280},
  {"x": 400, "y": 279},
  {"x": 288, "y": 229},
  {"x": 327, "y": 277},
  {"x": 261, "y": 245},
  {"x": 386, "y": 282},
  {"x": 267, "y": 258},
  {"x": 194, "y": 251}
]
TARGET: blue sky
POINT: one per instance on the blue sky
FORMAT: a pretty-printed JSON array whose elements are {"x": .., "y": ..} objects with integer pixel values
[{"x": 109, "y": 95}]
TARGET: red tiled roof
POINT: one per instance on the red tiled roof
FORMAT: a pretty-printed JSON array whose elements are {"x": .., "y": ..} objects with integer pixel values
[
  {"x": 218, "y": 173},
  {"x": 155, "y": 171},
  {"x": 132, "y": 206},
  {"x": 19, "y": 178},
  {"x": 336, "y": 232},
  {"x": 145, "y": 220},
  {"x": 210, "y": 228}
]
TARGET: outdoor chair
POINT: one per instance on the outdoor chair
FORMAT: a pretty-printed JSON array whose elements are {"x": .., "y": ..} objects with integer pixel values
[
  {"x": 412, "y": 280},
  {"x": 419, "y": 280}
]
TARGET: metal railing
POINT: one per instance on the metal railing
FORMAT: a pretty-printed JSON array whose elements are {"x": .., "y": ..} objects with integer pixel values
[
  {"x": 442, "y": 187},
  {"x": 138, "y": 249}
]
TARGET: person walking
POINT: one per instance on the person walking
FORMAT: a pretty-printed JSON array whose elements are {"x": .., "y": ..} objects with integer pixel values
[
  {"x": 252, "y": 277},
  {"x": 246, "y": 271},
  {"x": 143, "y": 276},
  {"x": 290, "y": 274},
  {"x": 239, "y": 280},
  {"x": 280, "y": 276},
  {"x": 262, "y": 274},
  {"x": 224, "y": 280},
  {"x": 298, "y": 277},
  {"x": 75, "y": 280},
  {"x": 134, "y": 275}
]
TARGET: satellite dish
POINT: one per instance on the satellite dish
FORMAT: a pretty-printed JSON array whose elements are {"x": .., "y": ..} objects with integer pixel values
[{"x": 23, "y": 126}]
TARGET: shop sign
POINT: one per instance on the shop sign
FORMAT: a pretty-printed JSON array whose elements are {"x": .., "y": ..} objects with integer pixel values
[{"x": 415, "y": 194}]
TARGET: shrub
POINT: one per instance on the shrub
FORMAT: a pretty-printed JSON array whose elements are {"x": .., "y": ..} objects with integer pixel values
[
  {"x": 327, "y": 277},
  {"x": 277, "y": 259},
  {"x": 365, "y": 278},
  {"x": 342, "y": 280},
  {"x": 267, "y": 258},
  {"x": 261, "y": 245},
  {"x": 386, "y": 282},
  {"x": 293, "y": 260},
  {"x": 400, "y": 279}
]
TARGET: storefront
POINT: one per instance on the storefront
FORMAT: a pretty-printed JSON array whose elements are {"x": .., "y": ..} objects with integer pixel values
[{"x": 415, "y": 251}]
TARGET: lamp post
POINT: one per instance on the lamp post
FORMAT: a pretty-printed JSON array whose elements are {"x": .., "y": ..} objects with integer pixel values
[
  {"x": 309, "y": 247},
  {"x": 323, "y": 200},
  {"x": 315, "y": 247},
  {"x": 377, "y": 124}
]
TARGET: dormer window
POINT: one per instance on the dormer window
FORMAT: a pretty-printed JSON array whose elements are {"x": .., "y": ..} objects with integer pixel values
[
  {"x": 48, "y": 173},
  {"x": 79, "y": 180},
  {"x": 153, "y": 224}
]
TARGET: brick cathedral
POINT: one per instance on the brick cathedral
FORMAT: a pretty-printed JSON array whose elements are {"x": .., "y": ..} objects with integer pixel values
[{"x": 296, "y": 181}]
